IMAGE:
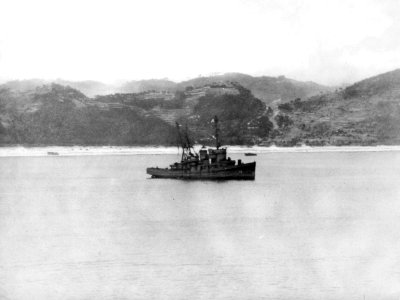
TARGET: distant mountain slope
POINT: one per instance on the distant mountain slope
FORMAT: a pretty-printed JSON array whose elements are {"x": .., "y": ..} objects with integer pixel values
[
  {"x": 268, "y": 89},
  {"x": 365, "y": 113},
  {"x": 243, "y": 117},
  {"x": 59, "y": 115},
  {"x": 23, "y": 85},
  {"x": 89, "y": 87},
  {"x": 147, "y": 85},
  {"x": 386, "y": 86}
]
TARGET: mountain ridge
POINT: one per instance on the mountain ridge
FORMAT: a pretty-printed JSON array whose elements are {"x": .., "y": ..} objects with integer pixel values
[
  {"x": 267, "y": 88},
  {"x": 365, "y": 113}
]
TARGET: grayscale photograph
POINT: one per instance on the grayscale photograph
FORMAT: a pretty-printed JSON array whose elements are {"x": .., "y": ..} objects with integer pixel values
[{"x": 200, "y": 149}]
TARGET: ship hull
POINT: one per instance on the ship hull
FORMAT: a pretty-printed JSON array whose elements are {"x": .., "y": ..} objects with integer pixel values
[{"x": 238, "y": 172}]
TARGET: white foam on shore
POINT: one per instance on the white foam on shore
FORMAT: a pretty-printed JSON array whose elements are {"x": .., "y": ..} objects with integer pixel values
[
  {"x": 78, "y": 151},
  {"x": 258, "y": 149},
  {"x": 117, "y": 150}
]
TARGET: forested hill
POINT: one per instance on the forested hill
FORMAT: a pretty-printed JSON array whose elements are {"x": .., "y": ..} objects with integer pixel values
[
  {"x": 59, "y": 115},
  {"x": 268, "y": 89},
  {"x": 365, "y": 113}
]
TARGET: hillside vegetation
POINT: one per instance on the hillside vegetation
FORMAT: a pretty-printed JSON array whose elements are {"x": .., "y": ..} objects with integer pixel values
[
  {"x": 270, "y": 90},
  {"x": 365, "y": 113},
  {"x": 58, "y": 115}
]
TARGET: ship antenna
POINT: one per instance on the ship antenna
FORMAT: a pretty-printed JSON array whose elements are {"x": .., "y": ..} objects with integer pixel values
[{"x": 217, "y": 143}]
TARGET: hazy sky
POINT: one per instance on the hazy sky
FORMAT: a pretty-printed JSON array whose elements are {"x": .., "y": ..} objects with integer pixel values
[{"x": 327, "y": 41}]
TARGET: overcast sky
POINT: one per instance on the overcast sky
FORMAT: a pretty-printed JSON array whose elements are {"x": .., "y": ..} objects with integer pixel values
[{"x": 326, "y": 41}]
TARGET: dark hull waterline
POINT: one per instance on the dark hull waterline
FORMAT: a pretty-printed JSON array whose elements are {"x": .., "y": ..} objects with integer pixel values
[
  {"x": 250, "y": 154},
  {"x": 238, "y": 172}
]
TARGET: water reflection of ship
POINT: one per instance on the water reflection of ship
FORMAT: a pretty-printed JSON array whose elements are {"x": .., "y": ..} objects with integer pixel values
[{"x": 210, "y": 164}]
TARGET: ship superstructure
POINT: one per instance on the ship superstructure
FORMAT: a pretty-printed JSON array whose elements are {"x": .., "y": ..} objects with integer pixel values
[{"x": 211, "y": 163}]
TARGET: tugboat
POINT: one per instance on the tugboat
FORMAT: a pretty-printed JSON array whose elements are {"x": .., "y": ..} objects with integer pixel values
[
  {"x": 250, "y": 154},
  {"x": 208, "y": 164},
  {"x": 52, "y": 153}
]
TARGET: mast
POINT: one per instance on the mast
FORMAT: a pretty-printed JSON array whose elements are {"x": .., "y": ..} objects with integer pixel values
[
  {"x": 186, "y": 143},
  {"x": 180, "y": 140},
  {"x": 189, "y": 143},
  {"x": 217, "y": 143}
]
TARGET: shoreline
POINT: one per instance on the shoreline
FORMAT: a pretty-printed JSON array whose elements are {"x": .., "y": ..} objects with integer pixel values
[{"x": 154, "y": 150}]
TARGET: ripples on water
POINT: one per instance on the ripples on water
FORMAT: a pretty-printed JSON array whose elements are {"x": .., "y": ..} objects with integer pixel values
[{"x": 311, "y": 226}]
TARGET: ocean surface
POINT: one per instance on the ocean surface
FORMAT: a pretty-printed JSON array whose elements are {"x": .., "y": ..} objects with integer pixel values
[{"x": 313, "y": 225}]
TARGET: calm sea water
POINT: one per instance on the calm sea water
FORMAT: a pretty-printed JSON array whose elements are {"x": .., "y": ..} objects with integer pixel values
[{"x": 311, "y": 226}]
